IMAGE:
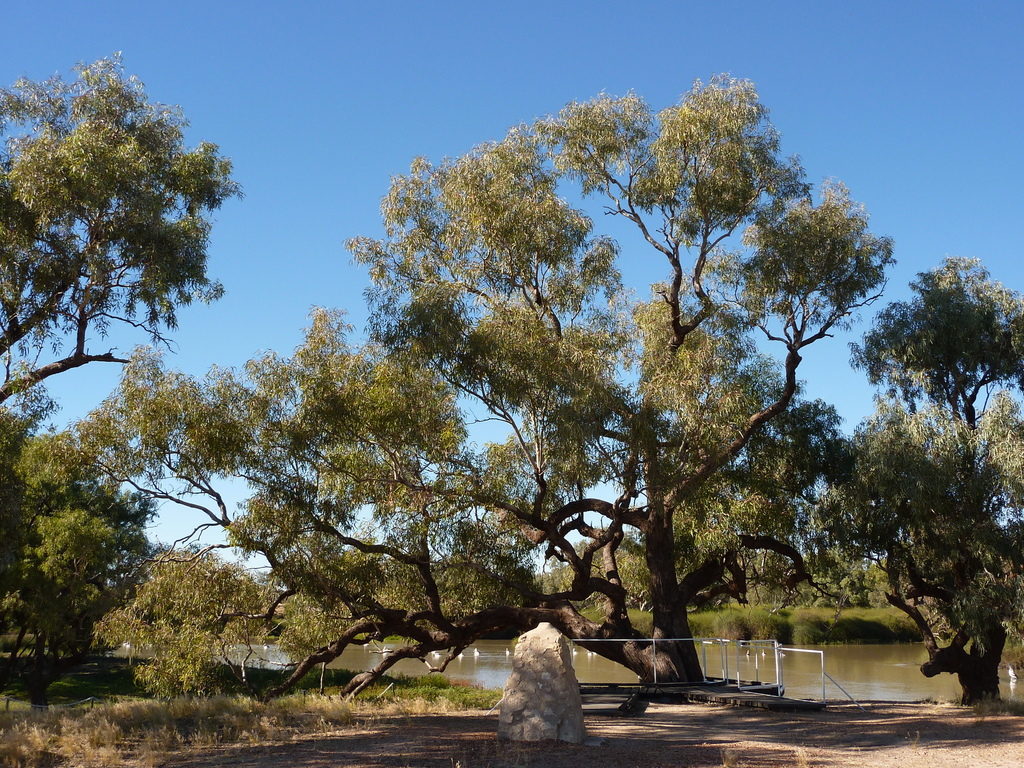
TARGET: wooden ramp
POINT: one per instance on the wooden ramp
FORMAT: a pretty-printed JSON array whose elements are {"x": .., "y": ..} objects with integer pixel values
[
  {"x": 730, "y": 695},
  {"x": 613, "y": 699},
  {"x": 631, "y": 699}
]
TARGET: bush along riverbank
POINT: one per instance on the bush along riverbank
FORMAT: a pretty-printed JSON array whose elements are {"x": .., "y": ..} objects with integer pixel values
[
  {"x": 108, "y": 679},
  {"x": 806, "y": 626}
]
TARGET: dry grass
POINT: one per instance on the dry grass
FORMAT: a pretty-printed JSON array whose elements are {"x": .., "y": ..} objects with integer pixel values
[
  {"x": 992, "y": 708},
  {"x": 145, "y": 732}
]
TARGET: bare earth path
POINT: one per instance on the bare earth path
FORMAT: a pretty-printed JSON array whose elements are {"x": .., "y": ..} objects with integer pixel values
[{"x": 904, "y": 735}]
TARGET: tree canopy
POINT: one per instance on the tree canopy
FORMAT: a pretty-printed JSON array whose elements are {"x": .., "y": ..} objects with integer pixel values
[
  {"x": 104, "y": 219},
  {"x": 104, "y": 222},
  {"x": 936, "y": 494},
  {"x": 610, "y": 423},
  {"x": 75, "y": 555}
]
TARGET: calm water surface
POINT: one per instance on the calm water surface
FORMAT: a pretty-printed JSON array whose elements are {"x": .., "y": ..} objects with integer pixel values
[{"x": 866, "y": 672}]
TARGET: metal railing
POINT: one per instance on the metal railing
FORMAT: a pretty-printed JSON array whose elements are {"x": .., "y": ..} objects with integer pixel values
[
  {"x": 760, "y": 648},
  {"x": 91, "y": 700},
  {"x": 770, "y": 652}
]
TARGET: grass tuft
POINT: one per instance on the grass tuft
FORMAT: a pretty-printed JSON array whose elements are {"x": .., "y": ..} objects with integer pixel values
[
  {"x": 730, "y": 758},
  {"x": 994, "y": 707}
]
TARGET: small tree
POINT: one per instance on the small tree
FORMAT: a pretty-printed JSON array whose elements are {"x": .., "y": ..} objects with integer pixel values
[
  {"x": 196, "y": 616},
  {"x": 104, "y": 219},
  {"x": 77, "y": 550},
  {"x": 936, "y": 497}
]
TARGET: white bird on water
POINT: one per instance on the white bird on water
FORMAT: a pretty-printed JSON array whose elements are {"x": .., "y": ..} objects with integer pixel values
[{"x": 1012, "y": 673}]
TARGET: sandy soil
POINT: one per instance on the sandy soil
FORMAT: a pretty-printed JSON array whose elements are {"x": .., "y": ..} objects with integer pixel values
[{"x": 887, "y": 734}]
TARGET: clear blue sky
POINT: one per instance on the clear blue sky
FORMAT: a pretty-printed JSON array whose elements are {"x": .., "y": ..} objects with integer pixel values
[{"x": 917, "y": 106}]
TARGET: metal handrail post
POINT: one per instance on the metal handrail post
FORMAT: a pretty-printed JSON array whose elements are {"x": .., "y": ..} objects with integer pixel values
[
  {"x": 654, "y": 659},
  {"x": 823, "y": 698},
  {"x": 780, "y": 671}
]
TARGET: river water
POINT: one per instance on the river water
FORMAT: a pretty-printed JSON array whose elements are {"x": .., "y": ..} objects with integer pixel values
[{"x": 866, "y": 672}]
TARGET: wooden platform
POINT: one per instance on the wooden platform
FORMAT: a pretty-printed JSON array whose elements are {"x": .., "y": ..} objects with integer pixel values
[{"x": 631, "y": 699}]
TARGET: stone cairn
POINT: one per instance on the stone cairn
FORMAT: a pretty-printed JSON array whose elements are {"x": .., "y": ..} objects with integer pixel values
[{"x": 542, "y": 697}]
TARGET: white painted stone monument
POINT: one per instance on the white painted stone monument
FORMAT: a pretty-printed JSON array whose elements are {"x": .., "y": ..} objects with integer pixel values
[{"x": 542, "y": 697}]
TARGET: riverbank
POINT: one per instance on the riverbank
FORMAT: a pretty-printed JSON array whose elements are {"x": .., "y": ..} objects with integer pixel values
[
  {"x": 887, "y": 735},
  {"x": 806, "y": 626}
]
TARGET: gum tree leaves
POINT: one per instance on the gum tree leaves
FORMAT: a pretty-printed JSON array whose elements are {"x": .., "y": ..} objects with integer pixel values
[{"x": 104, "y": 219}]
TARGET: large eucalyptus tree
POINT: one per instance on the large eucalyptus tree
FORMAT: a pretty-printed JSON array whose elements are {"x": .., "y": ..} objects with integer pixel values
[{"x": 516, "y": 404}]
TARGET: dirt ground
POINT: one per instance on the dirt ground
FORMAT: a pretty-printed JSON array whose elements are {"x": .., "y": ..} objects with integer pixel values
[{"x": 887, "y": 734}]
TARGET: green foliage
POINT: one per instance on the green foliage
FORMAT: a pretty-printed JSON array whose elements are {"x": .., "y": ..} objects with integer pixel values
[
  {"x": 627, "y": 441},
  {"x": 959, "y": 336},
  {"x": 741, "y": 624},
  {"x": 456, "y": 288},
  {"x": 319, "y": 438},
  {"x": 874, "y": 626},
  {"x": 806, "y": 626},
  {"x": 75, "y": 554},
  {"x": 824, "y": 253},
  {"x": 432, "y": 688},
  {"x": 851, "y": 583},
  {"x": 103, "y": 677},
  {"x": 193, "y": 618},
  {"x": 103, "y": 218},
  {"x": 936, "y": 494},
  {"x": 13, "y": 433},
  {"x": 811, "y": 627}
]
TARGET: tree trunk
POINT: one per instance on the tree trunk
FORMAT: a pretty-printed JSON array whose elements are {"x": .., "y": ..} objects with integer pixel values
[
  {"x": 35, "y": 679},
  {"x": 977, "y": 670},
  {"x": 36, "y": 689},
  {"x": 675, "y": 662},
  {"x": 981, "y": 681}
]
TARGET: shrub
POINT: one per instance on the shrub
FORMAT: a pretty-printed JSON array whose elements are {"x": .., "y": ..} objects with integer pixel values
[
  {"x": 732, "y": 624},
  {"x": 809, "y": 627},
  {"x": 765, "y": 625},
  {"x": 702, "y": 624},
  {"x": 903, "y": 629}
]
